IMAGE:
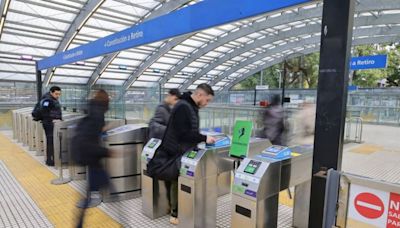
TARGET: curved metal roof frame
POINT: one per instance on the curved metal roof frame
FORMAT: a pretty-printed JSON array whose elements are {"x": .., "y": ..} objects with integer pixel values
[
  {"x": 219, "y": 56},
  {"x": 301, "y": 14},
  {"x": 166, "y": 8},
  {"x": 360, "y": 41},
  {"x": 359, "y": 32},
  {"x": 88, "y": 9},
  {"x": 365, "y": 21}
]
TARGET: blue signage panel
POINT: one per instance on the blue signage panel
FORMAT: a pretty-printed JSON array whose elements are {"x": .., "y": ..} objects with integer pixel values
[
  {"x": 203, "y": 15},
  {"x": 368, "y": 62}
]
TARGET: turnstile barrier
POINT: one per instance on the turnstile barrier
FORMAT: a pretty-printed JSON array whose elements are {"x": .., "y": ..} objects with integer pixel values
[{"x": 124, "y": 169}]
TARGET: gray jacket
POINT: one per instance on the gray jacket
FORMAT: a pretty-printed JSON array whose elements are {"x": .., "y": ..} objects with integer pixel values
[{"x": 159, "y": 122}]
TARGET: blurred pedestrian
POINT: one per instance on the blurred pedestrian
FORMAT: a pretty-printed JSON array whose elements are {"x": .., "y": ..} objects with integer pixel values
[
  {"x": 304, "y": 125},
  {"x": 87, "y": 149},
  {"x": 273, "y": 121},
  {"x": 159, "y": 122}
]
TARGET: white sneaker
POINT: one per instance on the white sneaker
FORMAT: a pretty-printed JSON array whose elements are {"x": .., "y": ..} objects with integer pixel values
[{"x": 173, "y": 220}]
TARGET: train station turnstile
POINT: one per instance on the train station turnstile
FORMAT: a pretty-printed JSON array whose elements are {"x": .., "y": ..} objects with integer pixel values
[
  {"x": 206, "y": 174},
  {"x": 31, "y": 126},
  {"x": 124, "y": 169},
  {"x": 16, "y": 116},
  {"x": 60, "y": 138},
  {"x": 76, "y": 172},
  {"x": 40, "y": 138},
  {"x": 258, "y": 181},
  {"x": 154, "y": 193}
]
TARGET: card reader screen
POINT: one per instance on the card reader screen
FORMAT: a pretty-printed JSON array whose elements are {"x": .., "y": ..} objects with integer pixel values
[
  {"x": 152, "y": 144},
  {"x": 192, "y": 154},
  {"x": 252, "y": 167},
  {"x": 275, "y": 149}
]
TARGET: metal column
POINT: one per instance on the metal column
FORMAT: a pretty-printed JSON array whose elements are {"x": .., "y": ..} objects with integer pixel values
[
  {"x": 38, "y": 82},
  {"x": 336, "y": 34}
]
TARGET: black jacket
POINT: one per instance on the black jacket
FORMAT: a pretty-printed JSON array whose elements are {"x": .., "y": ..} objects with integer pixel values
[
  {"x": 183, "y": 131},
  {"x": 51, "y": 108},
  {"x": 86, "y": 142},
  {"x": 181, "y": 135},
  {"x": 158, "y": 124}
]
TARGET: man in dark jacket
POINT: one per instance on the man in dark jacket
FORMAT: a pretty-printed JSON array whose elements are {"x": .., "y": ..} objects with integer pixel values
[
  {"x": 51, "y": 111},
  {"x": 159, "y": 122},
  {"x": 182, "y": 134}
]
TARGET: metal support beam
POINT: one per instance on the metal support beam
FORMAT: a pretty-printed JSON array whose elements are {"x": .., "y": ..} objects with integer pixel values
[
  {"x": 3, "y": 13},
  {"x": 38, "y": 82},
  {"x": 77, "y": 24},
  {"x": 166, "y": 8},
  {"x": 336, "y": 39}
]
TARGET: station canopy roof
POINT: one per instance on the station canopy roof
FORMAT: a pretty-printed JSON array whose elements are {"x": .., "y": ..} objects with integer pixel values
[{"x": 221, "y": 56}]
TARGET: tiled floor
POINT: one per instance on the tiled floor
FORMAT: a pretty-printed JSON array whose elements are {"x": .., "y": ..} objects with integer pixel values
[{"x": 17, "y": 209}]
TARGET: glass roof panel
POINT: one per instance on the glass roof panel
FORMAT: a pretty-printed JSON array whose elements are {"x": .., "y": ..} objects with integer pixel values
[
  {"x": 72, "y": 80},
  {"x": 25, "y": 40},
  {"x": 177, "y": 80},
  {"x": 113, "y": 75},
  {"x": 171, "y": 86},
  {"x": 17, "y": 76},
  {"x": 143, "y": 84},
  {"x": 126, "y": 62},
  {"x": 73, "y": 72},
  {"x": 110, "y": 82},
  {"x": 149, "y": 78}
]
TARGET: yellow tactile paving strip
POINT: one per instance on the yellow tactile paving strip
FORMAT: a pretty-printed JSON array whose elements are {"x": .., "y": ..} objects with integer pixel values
[
  {"x": 367, "y": 149},
  {"x": 57, "y": 202},
  {"x": 284, "y": 198}
]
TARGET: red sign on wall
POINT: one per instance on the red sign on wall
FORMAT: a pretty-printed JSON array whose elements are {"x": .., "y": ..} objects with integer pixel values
[
  {"x": 393, "y": 220},
  {"x": 369, "y": 205}
]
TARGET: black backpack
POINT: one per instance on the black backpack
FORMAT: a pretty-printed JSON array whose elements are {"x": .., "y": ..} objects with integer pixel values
[{"x": 37, "y": 112}]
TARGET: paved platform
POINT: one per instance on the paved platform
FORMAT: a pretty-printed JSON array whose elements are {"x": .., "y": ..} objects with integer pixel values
[{"x": 378, "y": 157}]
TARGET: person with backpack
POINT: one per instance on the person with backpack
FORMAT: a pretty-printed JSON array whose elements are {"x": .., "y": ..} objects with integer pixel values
[
  {"x": 49, "y": 112},
  {"x": 182, "y": 134},
  {"x": 87, "y": 149}
]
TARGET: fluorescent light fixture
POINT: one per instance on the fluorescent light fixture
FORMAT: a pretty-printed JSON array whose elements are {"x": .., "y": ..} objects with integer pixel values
[
  {"x": 26, "y": 57},
  {"x": 80, "y": 63},
  {"x": 122, "y": 67},
  {"x": 6, "y": 4}
]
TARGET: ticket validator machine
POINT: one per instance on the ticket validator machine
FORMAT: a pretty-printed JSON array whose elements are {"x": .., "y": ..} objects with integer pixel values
[
  {"x": 260, "y": 178},
  {"x": 125, "y": 168},
  {"x": 205, "y": 174},
  {"x": 154, "y": 192}
]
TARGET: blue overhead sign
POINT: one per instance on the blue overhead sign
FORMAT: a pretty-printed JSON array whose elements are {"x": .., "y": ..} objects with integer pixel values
[
  {"x": 368, "y": 62},
  {"x": 200, "y": 16}
]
